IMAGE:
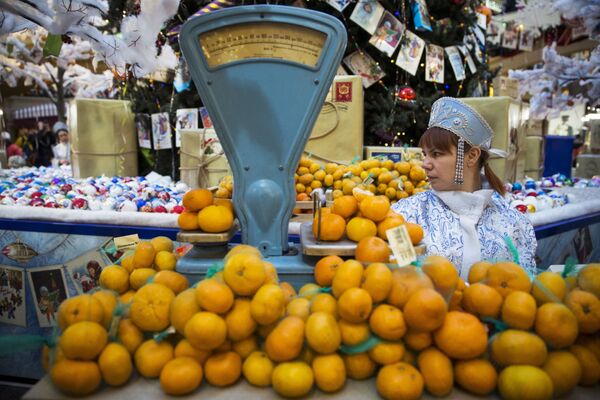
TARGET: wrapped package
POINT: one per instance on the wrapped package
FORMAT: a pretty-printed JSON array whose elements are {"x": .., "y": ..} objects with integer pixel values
[
  {"x": 202, "y": 160},
  {"x": 103, "y": 138}
]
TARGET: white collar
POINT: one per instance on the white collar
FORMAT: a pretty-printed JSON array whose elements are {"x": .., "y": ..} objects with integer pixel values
[{"x": 470, "y": 205}]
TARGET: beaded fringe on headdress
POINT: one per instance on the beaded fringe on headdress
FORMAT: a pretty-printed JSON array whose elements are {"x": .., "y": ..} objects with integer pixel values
[{"x": 460, "y": 159}]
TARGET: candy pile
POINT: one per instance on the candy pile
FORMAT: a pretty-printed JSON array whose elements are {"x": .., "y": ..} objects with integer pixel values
[
  {"x": 55, "y": 188},
  {"x": 530, "y": 197}
]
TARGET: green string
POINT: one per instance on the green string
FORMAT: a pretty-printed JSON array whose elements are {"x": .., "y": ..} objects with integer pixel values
[
  {"x": 160, "y": 336},
  {"x": 10, "y": 344},
  {"x": 118, "y": 312},
  {"x": 325, "y": 289},
  {"x": 512, "y": 249},
  {"x": 362, "y": 347},
  {"x": 214, "y": 269},
  {"x": 570, "y": 265},
  {"x": 499, "y": 326},
  {"x": 355, "y": 159}
]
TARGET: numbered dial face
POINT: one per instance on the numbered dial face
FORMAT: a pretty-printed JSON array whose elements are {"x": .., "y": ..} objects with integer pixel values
[{"x": 262, "y": 40}]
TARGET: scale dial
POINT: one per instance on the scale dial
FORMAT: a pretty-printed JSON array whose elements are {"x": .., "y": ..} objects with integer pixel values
[{"x": 262, "y": 40}]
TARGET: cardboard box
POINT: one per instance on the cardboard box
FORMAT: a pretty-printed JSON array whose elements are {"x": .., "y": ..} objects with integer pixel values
[
  {"x": 505, "y": 86},
  {"x": 103, "y": 138},
  {"x": 394, "y": 153},
  {"x": 202, "y": 160},
  {"x": 506, "y": 117},
  {"x": 588, "y": 165},
  {"x": 339, "y": 131},
  {"x": 534, "y": 158}
]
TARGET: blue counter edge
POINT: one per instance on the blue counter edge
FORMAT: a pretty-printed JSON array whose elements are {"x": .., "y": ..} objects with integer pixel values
[{"x": 146, "y": 232}]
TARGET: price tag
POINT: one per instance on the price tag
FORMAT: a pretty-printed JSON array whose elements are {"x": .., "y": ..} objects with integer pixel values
[
  {"x": 401, "y": 245},
  {"x": 368, "y": 180},
  {"x": 126, "y": 242}
]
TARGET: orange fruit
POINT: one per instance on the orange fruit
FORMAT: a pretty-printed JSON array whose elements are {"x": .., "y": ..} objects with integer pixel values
[
  {"x": 140, "y": 276},
  {"x": 223, "y": 369},
  {"x": 385, "y": 353},
  {"x": 588, "y": 279},
  {"x": 242, "y": 248},
  {"x": 115, "y": 278},
  {"x": 173, "y": 280},
  {"x": 165, "y": 260},
  {"x": 180, "y": 376},
  {"x": 478, "y": 271},
  {"x": 214, "y": 295},
  {"x": 151, "y": 357},
  {"x": 359, "y": 366},
  {"x": 557, "y": 325},
  {"x": 271, "y": 272},
  {"x": 162, "y": 243},
  {"x": 436, "y": 369},
  {"x": 375, "y": 208},
  {"x": 188, "y": 221},
  {"x": 425, "y": 310},
  {"x": 83, "y": 340},
  {"x": 285, "y": 341},
  {"x": 197, "y": 199},
  {"x": 524, "y": 382},
  {"x": 416, "y": 340},
  {"x": 387, "y": 322},
  {"x": 143, "y": 257},
  {"x": 442, "y": 272},
  {"x": 225, "y": 203},
  {"x": 372, "y": 249},
  {"x": 325, "y": 269},
  {"x": 268, "y": 304},
  {"x": 150, "y": 307},
  {"x": 353, "y": 334},
  {"x": 507, "y": 277},
  {"x": 245, "y": 347},
  {"x": 586, "y": 308},
  {"x": 185, "y": 349},
  {"x": 300, "y": 307},
  {"x": 549, "y": 287},
  {"x": 514, "y": 347},
  {"x": 377, "y": 280},
  {"x": 257, "y": 369},
  {"x": 461, "y": 336},
  {"x": 564, "y": 369},
  {"x": 349, "y": 274},
  {"x": 206, "y": 330},
  {"x": 482, "y": 300},
  {"x": 330, "y": 372},
  {"x": 130, "y": 335},
  {"x": 244, "y": 273},
  {"x": 322, "y": 333},
  {"x": 332, "y": 227},
  {"x": 127, "y": 262},
  {"x": 354, "y": 305},
  {"x": 78, "y": 378},
  {"x": 309, "y": 290},
  {"x": 80, "y": 308},
  {"x": 399, "y": 381},
  {"x": 388, "y": 223},
  {"x": 215, "y": 219},
  {"x": 359, "y": 228},
  {"x": 183, "y": 307},
  {"x": 405, "y": 282},
  {"x": 476, "y": 376},
  {"x": 115, "y": 364},
  {"x": 292, "y": 379},
  {"x": 590, "y": 366},
  {"x": 345, "y": 206},
  {"x": 324, "y": 302},
  {"x": 415, "y": 232},
  {"x": 519, "y": 310}
]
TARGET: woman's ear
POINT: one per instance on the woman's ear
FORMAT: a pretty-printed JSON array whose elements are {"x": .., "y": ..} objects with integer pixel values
[{"x": 472, "y": 156}]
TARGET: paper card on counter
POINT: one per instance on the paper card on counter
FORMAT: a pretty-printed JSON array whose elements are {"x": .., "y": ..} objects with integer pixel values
[
  {"x": 126, "y": 242},
  {"x": 401, "y": 245}
]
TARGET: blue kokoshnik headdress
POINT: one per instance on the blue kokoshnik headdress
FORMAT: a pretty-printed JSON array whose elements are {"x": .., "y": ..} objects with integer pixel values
[{"x": 457, "y": 117}]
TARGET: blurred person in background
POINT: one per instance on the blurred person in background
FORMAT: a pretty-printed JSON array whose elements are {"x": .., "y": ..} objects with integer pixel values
[
  {"x": 45, "y": 139},
  {"x": 62, "y": 150}
]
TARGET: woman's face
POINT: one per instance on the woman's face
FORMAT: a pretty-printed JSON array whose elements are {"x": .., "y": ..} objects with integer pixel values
[
  {"x": 440, "y": 167},
  {"x": 63, "y": 137}
]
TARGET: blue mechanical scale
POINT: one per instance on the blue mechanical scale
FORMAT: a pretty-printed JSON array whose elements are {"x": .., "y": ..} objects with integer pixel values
[{"x": 263, "y": 72}]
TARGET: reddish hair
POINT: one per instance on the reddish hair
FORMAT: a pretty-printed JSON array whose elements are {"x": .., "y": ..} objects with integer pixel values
[{"x": 444, "y": 140}]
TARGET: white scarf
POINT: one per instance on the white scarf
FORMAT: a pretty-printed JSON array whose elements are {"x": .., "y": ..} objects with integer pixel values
[{"x": 468, "y": 207}]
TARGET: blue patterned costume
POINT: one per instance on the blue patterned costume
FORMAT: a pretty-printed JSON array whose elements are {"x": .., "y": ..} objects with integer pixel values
[{"x": 444, "y": 233}]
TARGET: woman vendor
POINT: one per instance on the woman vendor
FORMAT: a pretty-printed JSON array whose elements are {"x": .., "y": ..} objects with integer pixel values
[{"x": 462, "y": 219}]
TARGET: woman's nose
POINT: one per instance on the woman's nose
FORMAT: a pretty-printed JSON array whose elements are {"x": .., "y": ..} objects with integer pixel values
[{"x": 427, "y": 165}]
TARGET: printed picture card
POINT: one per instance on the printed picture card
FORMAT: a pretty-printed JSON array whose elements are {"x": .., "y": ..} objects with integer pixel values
[
  {"x": 410, "y": 52},
  {"x": 434, "y": 64},
  {"x": 388, "y": 34},
  {"x": 361, "y": 64},
  {"x": 367, "y": 14}
]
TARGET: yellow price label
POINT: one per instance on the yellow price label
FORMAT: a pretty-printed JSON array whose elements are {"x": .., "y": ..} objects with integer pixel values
[
  {"x": 126, "y": 242},
  {"x": 401, "y": 245}
]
